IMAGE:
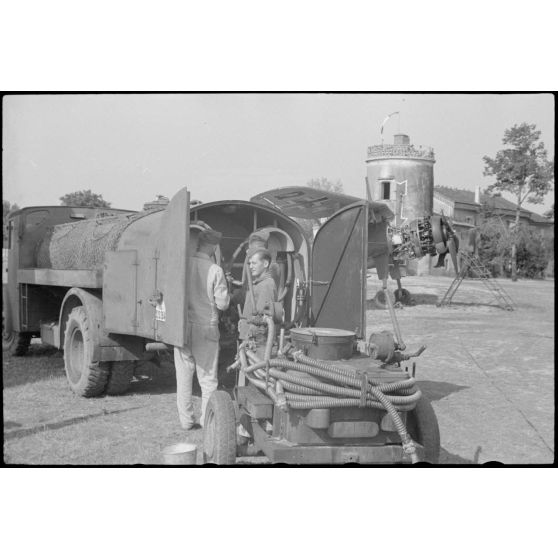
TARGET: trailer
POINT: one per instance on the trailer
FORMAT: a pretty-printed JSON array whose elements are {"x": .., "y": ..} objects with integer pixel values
[{"x": 109, "y": 287}]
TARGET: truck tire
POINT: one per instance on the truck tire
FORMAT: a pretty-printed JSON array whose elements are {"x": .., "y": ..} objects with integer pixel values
[
  {"x": 15, "y": 344},
  {"x": 426, "y": 430},
  {"x": 120, "y": 376},
  {"x": 86, "y": 378},
  {"x": 219, "y": 433}
]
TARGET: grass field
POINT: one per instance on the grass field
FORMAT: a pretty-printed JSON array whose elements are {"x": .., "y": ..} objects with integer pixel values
[{"x": 489, "y": 373}]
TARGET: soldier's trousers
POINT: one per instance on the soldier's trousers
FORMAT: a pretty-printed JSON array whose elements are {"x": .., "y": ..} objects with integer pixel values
[{"x": 201, "y": 356}]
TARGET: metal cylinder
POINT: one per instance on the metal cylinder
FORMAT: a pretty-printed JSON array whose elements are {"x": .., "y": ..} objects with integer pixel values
[
  {"x": 401, "y": 139},
  {"x": 180, "y": 454},
  {"x": 84, "y": 244}
]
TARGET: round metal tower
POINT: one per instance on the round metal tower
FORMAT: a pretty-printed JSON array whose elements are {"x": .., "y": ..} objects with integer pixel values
[{"x": 402, "y": 176}]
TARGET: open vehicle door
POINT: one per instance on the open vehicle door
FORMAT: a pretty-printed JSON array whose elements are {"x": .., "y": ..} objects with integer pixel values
[
  {"x": 171, "y": 277},
  {"x": 353, "y": 239},
  {"x": 145, "y": 291},
  {"x": 338, "y": 277}
]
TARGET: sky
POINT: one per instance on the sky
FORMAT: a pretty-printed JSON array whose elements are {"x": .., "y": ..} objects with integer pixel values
[{"x": 130, "y": 148}]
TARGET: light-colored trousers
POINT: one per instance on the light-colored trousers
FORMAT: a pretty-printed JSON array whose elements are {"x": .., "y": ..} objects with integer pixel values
[{"x": 201, "y": 355}]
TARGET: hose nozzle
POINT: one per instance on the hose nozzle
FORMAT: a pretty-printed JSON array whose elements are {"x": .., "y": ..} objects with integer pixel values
[{"x": 410, "y": 449}]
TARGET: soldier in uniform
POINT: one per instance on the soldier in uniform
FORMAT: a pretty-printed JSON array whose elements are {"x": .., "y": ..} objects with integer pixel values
[
  {"x": 264, "y": 296},
  {"x": 208, "y": 294},
  {"x": 256, "y": 240}
]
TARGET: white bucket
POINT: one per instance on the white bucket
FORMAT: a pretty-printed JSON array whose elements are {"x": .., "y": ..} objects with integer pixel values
[{"x": 180, "y": 454}]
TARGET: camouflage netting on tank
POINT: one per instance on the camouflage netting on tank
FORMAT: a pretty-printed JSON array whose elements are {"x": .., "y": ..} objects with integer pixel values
[{"x": 83, "y": 245}]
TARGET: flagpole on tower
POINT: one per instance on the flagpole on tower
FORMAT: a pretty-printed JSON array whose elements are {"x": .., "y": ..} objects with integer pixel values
[{"x": 383, "y": 124}]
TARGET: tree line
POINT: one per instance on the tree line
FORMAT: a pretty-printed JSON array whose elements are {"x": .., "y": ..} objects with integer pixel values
[{"x": 522, "y": 169}]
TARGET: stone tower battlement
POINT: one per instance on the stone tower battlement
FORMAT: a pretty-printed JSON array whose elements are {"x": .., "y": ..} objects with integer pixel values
[{"x": 401, "y": 151}]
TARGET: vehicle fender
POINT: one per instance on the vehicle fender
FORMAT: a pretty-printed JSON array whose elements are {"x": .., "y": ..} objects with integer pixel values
[
  {"x": 106, "y": 346},
  {"x": 93, "y": 306}
]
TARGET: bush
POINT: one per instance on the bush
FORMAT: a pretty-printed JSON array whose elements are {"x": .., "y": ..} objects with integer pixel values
[
  {"x": 533, "y": 251},
  {"x": 532, "y": 256},
  {"x": 494, "y": 246}
]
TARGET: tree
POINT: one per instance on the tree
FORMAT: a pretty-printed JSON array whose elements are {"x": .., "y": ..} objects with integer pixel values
[
  {"x": 494, "y": 247},
  {"x": 533, "y": 252},
  {"x": 521, "y": 169},
  {"x": 84, "y": 198},
  {"x": 325, "y": 184},
  {"x": 6, "y": 208}
]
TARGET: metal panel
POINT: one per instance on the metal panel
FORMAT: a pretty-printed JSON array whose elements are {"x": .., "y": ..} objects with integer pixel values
[
  {"x": 142, "y": 235},
  {"x": 50, "y": 334},
  {"x": 258, "y": 405},
  {"x": 120, "y": 291},
  {"x": 171, "y": 270},
  {"x": 84, "y": 278},
  {"x": 281, "y": 451},
  {"x": 353, "y": 429},
  {"x": 339, "y": 271},
  {"x": 310, "y": 203}
]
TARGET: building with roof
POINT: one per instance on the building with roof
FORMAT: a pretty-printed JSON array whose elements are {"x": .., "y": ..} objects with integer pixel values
[{"x": 465, "y": 209}]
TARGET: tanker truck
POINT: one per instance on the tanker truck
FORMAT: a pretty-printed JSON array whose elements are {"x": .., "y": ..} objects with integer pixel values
[{"x": 109, "y": 287}]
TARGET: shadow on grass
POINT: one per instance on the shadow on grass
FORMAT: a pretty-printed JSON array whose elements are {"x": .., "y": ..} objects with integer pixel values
[
  {"x": 158, "y": 379},
  {"x": 42, "y": 362},
  {"x": 421, "y": 299},
  {"x": 424, "y": 299},
  {"x": 157, "y": 383},
  {"x": 44, "y": 351},
  {"x": 434, "y": 391},
  {"x": 21, "y": 432}
]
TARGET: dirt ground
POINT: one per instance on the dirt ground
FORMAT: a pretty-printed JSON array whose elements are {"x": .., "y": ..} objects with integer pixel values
[{"x": 488, "y": 372}]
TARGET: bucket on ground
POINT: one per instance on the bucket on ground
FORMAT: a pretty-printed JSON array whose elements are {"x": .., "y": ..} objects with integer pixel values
[{"x": 180, "y": 454}]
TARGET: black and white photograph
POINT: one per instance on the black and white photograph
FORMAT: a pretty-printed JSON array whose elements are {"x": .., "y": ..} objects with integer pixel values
[
  {"x": 259, "y": 279},
  {"x": 278, "y": 278}
]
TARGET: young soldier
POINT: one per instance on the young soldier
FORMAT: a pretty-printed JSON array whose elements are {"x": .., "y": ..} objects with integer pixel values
[{"x": 264, "y": 296}]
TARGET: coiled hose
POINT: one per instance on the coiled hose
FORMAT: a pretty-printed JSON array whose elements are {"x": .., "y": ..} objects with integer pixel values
[
  {"x": 403, "y": 402},
  {"x": 411, "y": 394},
  {"x": 311, "y": 393},
  {"x": 290, "y": 390}
]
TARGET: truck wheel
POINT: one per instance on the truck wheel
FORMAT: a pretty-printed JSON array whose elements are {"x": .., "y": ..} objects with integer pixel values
[
  {"x": 219, "y": 432},
  {"x": 426, "y": 430},
  {"x": 120, "y": 377},
  {"x": 86, "y": 378},
  {"x": 15, "y": 344}
]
